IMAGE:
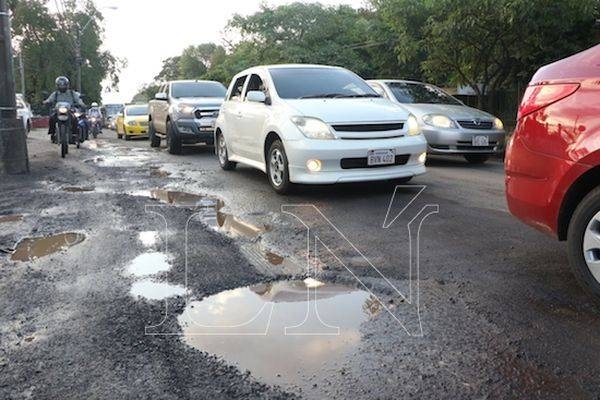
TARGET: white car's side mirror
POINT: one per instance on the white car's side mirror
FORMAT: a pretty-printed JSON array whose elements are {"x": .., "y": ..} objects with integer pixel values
[
  {"x": 257, "y": 96},
  {"x": 160, "y": 96}
]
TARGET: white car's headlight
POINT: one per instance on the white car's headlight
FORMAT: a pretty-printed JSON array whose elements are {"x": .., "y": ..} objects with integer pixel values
[
  {"x": 439, "y": 121},
  {"x": 498, "y": 124},
  {"x": 313, "y": 128},
  {"x": 184, "y": 109},
  {"x": 412, "y": 126}
]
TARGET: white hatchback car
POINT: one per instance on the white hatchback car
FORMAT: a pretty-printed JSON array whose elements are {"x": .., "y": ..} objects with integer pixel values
[{"x": 316, "y": 124}]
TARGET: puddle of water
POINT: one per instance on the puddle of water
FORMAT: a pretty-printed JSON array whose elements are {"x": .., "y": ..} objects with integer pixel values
[
  {"x": 11, "y": 218},
  {"x": 274, "y": 259},
  {"x": 31, "y": 248},
  {"x": 161, "y": 173},
  {"x": 149, "y": 264},
  {"x": 76, "y": 189},
  {"x": 152, "y": 290},
  {"x": 148, "y": 238},
  {"x": 227, "y": 325},
  {"x": 222, "y": 221}
]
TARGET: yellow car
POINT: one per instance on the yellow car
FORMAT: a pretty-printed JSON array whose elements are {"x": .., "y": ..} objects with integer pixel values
[{"x": 133, "y": 121}]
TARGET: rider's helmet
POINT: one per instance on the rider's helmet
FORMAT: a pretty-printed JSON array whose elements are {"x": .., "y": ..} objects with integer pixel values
[
  {"x": 94, "y": 104},
  {"x": 62, "y": 84}
]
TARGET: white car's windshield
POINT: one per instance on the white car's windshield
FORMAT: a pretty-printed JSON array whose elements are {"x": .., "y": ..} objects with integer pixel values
[
  {"x": 411, "y": 92},
  {"x": 198, "y": 89},
  {"x": 304, "y": 83}
]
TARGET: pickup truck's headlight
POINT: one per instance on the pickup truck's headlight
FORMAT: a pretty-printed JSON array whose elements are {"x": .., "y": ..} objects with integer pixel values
[
  {"x": 498, "y": 124},
  {"x": 313, "y": 128},
  {"x": 412, "y": 126},
  {"x": 439, "y": 121},
  {"x": 184, "y": 109}
]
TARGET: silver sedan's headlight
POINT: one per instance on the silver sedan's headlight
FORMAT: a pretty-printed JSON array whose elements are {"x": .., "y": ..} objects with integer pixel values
[
  {"x": 439, "y": 121},
  {"x": 313, "y": 128},
  {"x": 498, "y": 124}
]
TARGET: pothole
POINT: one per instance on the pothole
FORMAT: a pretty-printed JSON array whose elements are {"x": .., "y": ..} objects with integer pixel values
[
  {"x": 77, "y": 189},
  {"x": 149, "y": 264},
  {"x": 158, "y": 172},
  {"x": 11, "y": 218},
  {"x": 276, "y": 333},
  {"x": 31, "y": 248},
  {"x": 153, "y": 290}
]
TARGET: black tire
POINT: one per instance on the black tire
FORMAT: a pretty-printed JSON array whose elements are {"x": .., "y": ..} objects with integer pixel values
[
  {"x": 63, "y": 140},
  {"x": 582, "y": 217},
  {"x": 222, "y": 154},
  {"x": 476, "y": 158},
  {"x": 173, "y": 141},
  {"x": 127, "y": 137},
  {"x": 154, "y": 140},
  {"x": 284, "y": 186},
  {"x": 119, "y": 136}
]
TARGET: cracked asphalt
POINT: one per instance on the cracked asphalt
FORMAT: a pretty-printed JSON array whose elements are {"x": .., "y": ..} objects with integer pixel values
[{"x": 490, "y": 310}]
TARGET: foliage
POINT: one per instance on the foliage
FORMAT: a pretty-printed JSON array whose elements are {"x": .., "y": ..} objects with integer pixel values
[{"x": 48, "y": 42}]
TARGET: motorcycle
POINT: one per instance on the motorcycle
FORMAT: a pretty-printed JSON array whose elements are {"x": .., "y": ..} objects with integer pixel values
[
  {"x": 63, "y": 116},
  {"x": 82, "y": 126},
  {"x": 95, "y": 126}
]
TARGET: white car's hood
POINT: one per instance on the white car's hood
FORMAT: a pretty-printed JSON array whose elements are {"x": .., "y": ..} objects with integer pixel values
[
  {"x": 201, "y": 101},
  {"x": 349, "y": 109},
  {"x": 451, "y": 111}
]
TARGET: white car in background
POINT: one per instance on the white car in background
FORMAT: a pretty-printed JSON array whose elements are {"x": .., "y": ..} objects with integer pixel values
[
  {"x": 24, "y": 113},
  {"x": 315, "y": 124},
  {"x": 449, "y": 126}
]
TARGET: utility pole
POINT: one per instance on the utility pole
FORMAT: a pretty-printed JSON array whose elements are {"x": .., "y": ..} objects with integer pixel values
[
  {"x": 13, "y": 146},
  {"x": 78, "y": 58},
  {"x": 22, "y": 72}
]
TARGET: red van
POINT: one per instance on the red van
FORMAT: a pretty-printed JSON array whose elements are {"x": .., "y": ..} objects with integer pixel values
[{"x": 553, "y": 160}]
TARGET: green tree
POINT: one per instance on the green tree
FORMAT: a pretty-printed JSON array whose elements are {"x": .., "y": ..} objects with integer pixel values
[{"x": 47, "y": 42}]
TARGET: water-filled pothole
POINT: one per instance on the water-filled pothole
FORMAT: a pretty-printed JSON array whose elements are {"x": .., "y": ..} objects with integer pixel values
[
  {"x": 11, "y": 218},
  {"x": 153, "y": 290},
  {"x": 31, "y": 248},
  {"x": 158, "y": 172},
  {"x": 148, "y": 238},
  {"x": 265, "y": 328},
  {"x": 149, "y": 264},
  {"x": 77, "y": 189}
]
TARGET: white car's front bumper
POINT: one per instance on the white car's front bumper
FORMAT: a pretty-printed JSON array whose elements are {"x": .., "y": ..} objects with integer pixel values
[{"x": 331, "y": 153}]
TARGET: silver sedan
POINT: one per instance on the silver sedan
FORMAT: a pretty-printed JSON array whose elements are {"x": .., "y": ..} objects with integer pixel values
[{"x": 449, "y": 126}]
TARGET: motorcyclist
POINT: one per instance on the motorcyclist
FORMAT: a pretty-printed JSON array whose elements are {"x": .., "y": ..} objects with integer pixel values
[
  {"x": 62, "y": 93},
  {"x": 94, "y": 111}
]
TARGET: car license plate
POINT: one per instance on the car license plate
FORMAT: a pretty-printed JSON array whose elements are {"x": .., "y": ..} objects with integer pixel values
[
  {"x": 380, "y": 157},
  {"x": 481, "y": 141}
]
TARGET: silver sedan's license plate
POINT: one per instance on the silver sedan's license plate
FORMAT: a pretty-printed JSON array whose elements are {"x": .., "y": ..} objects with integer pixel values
[
  {"x": 380, "y": 157},
  {"x": 481, "y": 141}
]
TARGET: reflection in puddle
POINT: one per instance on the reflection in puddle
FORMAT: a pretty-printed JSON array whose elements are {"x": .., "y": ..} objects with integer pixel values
[
  {"x": 246, "y": 327},
  {"x": 148, "y": 238},
  {"x": 152, "y": 290},
  {"x": 11, "y": 218},
  {"x": 76, "y": 189},
  {"x": 31, "y": 248},
  {"x": 149, "y": 264},
  {"x": 209, "y": 209}
]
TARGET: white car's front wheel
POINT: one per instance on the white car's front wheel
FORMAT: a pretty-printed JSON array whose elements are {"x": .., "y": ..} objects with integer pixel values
[
  {"x": 222, "y": 154},
  {"x": 277, "y": 168}
]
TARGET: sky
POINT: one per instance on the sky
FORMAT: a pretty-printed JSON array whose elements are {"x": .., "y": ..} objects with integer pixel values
[{"x": 145, "y": 32}]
